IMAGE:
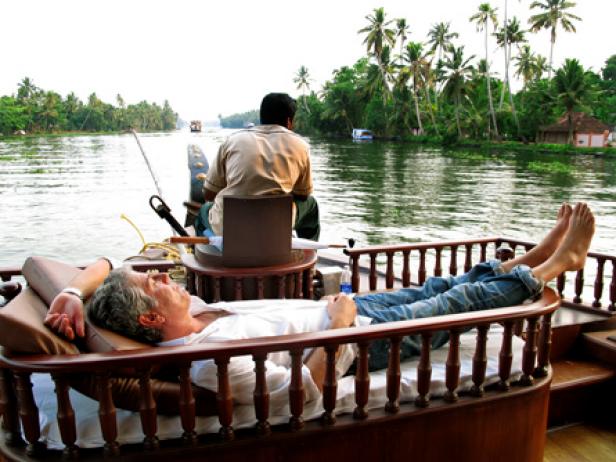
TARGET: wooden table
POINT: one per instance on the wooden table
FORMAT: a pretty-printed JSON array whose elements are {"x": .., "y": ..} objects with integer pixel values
[{"x": 213, "y": 283}]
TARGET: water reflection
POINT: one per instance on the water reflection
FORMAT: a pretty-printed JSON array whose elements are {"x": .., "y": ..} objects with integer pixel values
[{"x": 62, "y": 196}]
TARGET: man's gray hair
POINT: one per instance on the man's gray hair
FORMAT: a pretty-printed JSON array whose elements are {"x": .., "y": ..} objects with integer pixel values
[{"x": 117, "y": 304}]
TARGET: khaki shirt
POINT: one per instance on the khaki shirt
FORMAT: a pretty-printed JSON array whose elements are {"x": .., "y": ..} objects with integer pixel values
[{"x": 266, "y": 159}]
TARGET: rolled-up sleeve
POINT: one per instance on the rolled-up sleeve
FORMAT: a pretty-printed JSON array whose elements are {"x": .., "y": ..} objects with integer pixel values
[{"x": 216, "y": 178}]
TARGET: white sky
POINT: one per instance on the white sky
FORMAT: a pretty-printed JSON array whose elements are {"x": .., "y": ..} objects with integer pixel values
[{"x": 220, "y": 57}]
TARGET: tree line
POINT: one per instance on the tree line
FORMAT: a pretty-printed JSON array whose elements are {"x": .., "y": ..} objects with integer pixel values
[
  {"x": 35, "y": 110},
  {"x": 433, "y": 88}
]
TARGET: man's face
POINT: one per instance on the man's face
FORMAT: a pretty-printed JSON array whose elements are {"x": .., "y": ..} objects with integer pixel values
[{"x": 171, "y": 298}]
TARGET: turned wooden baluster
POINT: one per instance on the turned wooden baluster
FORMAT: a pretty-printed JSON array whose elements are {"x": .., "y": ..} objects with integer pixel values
[
  {"x": 296, "y": 391},
  {"x": 468, "y": 257},
  {"x": 362, "y": 382},
  {"x": 261, "y": 287},
  {"x": 505, "y": 357},
  {"x": 452, "y": 367},
  {"x": 560, "y": 283},
  {"x": 389, "y": 274},
  {"x": 424, "y": 372},
  {"x": 529, "y": 353},
  {"x": 187, "y": 405},
  {"x": 66, "y": 418},
  {"x": 480, "y": 361},
  {"x": 453, "y": 263},
  {"x": 190, "y": 283},
  {"x": 393, "y": 377},
  {"x": 438, "y": 270},
  {"x": 307, "y": 280},
  {"x": 216, "y": 283},
  {"x": 612, "y": 306},
  {"x": 147, "y": 411},
  {"x": 28, "y": 412},
  {"x": 579, "y": 286},
  {"x": 406, "y": 269},
  {"x": 372, "y": 277},
  {"x": 355, "y": 273},
  {"x": 200, "y": 283},
  {"x": 422, "y": 266},
  {"x": 484, "y": 251},
  {"x": 298, "y": 286},
  {"x": 598, "y": 283},
  {"x": 545, "y": 346},
  {"x": 107, "y": 414},
  {"x": 261, "y": 396},
  {"x": 282, "y": 286},
  {"x": 330, "y": 386},
  {"x": 224, "y": 400},
  {"x": 8, "y": 408},
  {"x": 238, "y": 283}
]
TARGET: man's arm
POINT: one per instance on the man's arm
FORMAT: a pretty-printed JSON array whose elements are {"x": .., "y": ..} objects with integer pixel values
[
  {"x": 342, "y": 311},
  {"x": 66, "y": 315}
]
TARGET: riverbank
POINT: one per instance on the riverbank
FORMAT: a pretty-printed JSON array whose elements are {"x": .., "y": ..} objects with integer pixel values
[
  {"x": 537, "y": 148},
  {"x": 72, "y": 134}
]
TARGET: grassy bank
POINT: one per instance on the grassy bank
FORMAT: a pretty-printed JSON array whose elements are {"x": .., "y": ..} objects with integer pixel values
[
  {"x": 517, "y": 146},
  {"x": 69, "y": 134}
]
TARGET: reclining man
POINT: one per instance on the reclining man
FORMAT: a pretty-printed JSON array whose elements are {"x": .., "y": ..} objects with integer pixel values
[
  {"x": 153, "y": 309},
  {"x": 267, "y": 159}
]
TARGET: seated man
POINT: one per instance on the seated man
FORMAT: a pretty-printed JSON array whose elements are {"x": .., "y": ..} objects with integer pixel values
[
  {"x": 153, "y": 309},
  {"x": 266, "y": 159}
]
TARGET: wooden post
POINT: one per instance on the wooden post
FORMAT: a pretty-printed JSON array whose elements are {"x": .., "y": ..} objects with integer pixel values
[
  {"x": 452, "y": 367},
  {"x": 480, "y": 361},
  {"x": 330, "y": 386},
  {"x": 438, "y": 270},
  {"x": 579, "y": 286},
  {"x": 187, "y": 405},
  {"x": 261, "y": 396},
  {"x": 147, "y": 411},
  {"x": 107, "y": 415},
  {"x": 529, "y": 353},
  {"x": 545, "y": 347},
  {"x": 453, "y": 262},
  {"x": 389, "y": 274},
  {"x": 372, "y": 276},
  {"x": 422, "y": 266},
  {"x": 28, "y": 412},
  {"x": 598, "y": 286},
  {"x": 224, "y": 400},
  {"x": 66, "y": 418},
  {"x": 355, "y": 273},
  {"x": 505, "y": 356},
  {"x": 424, "y": 372},
  {"x": 468, "y": 258},
  {"x": 393, "y": 377},
  {"x": 296, "y": 391},
  {"x": 362, "y": 382},
  {"x": 406, "y": 271},
  {"x": 9, "y": 410}
]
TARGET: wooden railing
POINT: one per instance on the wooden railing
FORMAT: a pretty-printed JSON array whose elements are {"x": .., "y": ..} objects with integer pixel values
[
  {"x": 449, "y": 257},
  {"x": 16, "y": 387}
]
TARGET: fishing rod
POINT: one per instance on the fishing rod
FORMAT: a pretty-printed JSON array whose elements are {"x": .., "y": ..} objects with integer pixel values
[{"x": 162, "y": 209}]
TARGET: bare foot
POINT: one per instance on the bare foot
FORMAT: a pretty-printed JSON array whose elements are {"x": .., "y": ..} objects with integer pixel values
[
  {"x": 548, "y": 245},
  {"x": 571, "y": 254}
]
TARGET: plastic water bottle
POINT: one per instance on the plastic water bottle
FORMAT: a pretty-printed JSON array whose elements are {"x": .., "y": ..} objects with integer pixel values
[{"x": 345, "y": 281}]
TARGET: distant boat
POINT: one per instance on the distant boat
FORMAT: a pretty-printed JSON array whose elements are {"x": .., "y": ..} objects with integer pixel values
[
  {"x": 249, "y": 125},
  {"x": 362, "y": 134},
  {"x": 195, "y": 125}
]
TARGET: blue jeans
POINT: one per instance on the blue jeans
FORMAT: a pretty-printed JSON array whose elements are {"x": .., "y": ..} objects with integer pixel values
[{"x": 484, "y": 286}]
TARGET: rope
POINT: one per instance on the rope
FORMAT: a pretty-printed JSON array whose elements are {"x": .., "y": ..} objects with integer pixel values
[{"x": 172, "y": 251}]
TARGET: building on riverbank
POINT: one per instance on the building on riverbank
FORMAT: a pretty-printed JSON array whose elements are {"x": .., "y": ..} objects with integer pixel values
[{"x": 587, "y": 131}]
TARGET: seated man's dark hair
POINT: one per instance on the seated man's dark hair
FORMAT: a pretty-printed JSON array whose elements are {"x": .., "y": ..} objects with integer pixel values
[{"x": 277, "y": 108}]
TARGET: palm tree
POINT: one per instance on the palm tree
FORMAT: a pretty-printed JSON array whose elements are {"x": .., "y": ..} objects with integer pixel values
[
  {"x": 302, "y": 79},
  {"x": 440, "y": 38},
  {"x": 487, "y": 14},
  {"x": 572, "y": 89},
  {"x": 402, "y": 31},
  {"x": 415, "y": 58},
  {"x": 26, "y": 89},
  {"x": 541, "y": 65},
  {"x": 378, "y": 36},
  {"x": 506, "y": 37},
  {"x": 525, "y": 65},
  {"x": 554, "y": 14},
  {"x": 456, "y": 71}
]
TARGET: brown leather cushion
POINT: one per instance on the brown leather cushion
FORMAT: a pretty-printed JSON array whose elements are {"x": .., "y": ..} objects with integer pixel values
[
  {"x": 22, "y": 320},
  {"x": 22, "y": 329}
]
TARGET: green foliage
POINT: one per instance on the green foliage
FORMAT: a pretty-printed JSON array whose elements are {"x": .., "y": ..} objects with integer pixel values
[
  {"x": 552, "y": 167},
  {"x": 239, "y": 120},
  {"x": 37, "y": 111}
]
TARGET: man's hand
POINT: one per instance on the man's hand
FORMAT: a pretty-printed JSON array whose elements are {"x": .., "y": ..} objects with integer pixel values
[
  {"x": 341, "y": 310},
  {"x": 65, "y": 316}
]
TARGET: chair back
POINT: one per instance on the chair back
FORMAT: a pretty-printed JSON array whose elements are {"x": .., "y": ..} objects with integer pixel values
[{"x": 257, "y": 230}]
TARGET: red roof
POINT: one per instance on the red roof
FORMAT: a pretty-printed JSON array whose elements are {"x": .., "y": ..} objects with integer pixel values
[{"x": 581, "y": 123}]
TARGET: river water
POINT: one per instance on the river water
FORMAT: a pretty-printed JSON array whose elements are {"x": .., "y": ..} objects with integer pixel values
[{"x": 62, "y": 197}]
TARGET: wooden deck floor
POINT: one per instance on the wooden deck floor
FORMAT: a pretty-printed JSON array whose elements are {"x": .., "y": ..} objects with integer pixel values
[{"x": 582, "y": 443}]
